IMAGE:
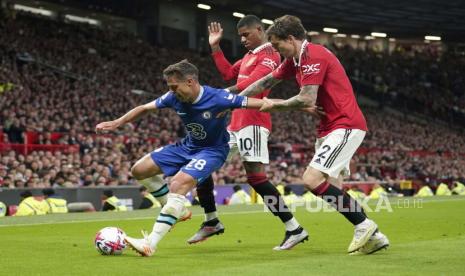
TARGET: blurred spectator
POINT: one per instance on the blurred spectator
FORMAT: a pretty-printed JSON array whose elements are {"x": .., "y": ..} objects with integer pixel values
[
  {"x": 55, "y": 203},
  {"x": 148, "y": 200},
  {"x": 239, "y": 196},
  {"x": 29, "y": 205},
  {"x": 111, "y": 202}
]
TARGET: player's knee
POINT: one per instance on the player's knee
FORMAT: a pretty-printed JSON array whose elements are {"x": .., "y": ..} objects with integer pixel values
[
  {"x": 137, "y": 172},
  {"x": 179, "y": 186},
  {"x": 312, "y": 178},
  {"x": 256, "y": 178},
  {"x": 254, "y": 167}
]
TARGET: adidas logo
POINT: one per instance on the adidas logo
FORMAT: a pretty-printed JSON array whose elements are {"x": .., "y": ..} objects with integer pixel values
[
  {"x": 318, "y": 161},
  {"x": 247, "y": 154}
]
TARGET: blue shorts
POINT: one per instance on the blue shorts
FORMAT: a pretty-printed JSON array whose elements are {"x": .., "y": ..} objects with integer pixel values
[{"x": 198, "y": 163}]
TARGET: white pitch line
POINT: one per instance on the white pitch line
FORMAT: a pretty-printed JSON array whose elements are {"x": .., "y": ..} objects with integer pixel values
[
  {"x": 424, "y": 200},
  {"x": 114, "y": 219}
]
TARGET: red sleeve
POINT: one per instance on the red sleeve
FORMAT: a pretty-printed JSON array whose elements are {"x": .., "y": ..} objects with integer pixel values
[
  {"x": 285, "y": 71},
  {"x": 228, "y": 71},
  {"x": 266, "y": 65},
  {"x": 314, "y": 68}
]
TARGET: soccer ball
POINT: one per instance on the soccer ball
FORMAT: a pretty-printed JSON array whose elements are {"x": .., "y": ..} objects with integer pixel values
[{"x": 110, "y": 241}]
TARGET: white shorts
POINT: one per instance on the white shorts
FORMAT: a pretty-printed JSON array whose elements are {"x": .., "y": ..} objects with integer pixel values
[
  {"x": 251, "y": 142},
  {"x": 334, "y": 151}
]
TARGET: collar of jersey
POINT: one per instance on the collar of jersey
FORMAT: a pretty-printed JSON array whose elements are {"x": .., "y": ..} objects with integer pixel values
[
  {"x": 261, "y": 47},
  {"x": 302, "y": 50},
  {"x": 200, "y": 95}
]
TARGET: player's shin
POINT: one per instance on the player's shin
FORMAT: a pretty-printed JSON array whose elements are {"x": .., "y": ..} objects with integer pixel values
[
  {"x": 342, "y": 202},
  {"x": 207, "y": 198},
  {"x": 168, "y": 216},
  {"x": 157, "y": 187},
  {"x": 272, "y": 199}
]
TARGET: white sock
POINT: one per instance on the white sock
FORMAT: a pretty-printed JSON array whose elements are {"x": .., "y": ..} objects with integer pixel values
[
  {"x": 291, "y": 224},
  {"x": 156, "y": 186},
  {"x": 211, "y": 215},
  {"x": 167, "y": 218}
]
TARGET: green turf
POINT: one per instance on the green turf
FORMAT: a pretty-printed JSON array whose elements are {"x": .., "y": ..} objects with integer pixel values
[{"x": 424, "y": 241}]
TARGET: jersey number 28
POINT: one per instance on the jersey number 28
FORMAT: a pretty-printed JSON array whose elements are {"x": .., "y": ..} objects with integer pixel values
[{"x": 198, "y": 164}]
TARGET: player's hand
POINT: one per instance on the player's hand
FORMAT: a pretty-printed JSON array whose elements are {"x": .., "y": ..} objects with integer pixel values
[
  {"x": 215, "y": 33},
  {"x": 267, "y": 106},
  {"x": 107, "y": 126},
  {"x": 316, "y": 111}
]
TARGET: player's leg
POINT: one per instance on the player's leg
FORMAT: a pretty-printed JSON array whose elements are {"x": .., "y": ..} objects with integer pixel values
[
  {"x": 147, "y": 173},
  {"x": 256, "y": 177},
  {"x": 329, "y": 160},
  {"x": 211, "y": 224},
  {"x": 378, "y": 240},
  {"x": 174, "y": 208},
  {"x": 252, "y": 144},
  {"x": 167, "y": 160},
  {"x": 201, "y": 165},
  {"x": 205, "y": 190}
]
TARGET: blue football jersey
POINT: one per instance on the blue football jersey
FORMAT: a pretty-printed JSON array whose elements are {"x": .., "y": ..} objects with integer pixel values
[{"x": 203, "y": 128}]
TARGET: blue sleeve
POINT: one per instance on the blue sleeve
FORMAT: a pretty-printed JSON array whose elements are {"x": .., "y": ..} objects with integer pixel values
[
  {"x": 228, "y": 100},
  {"x": 167, "y": 100}
]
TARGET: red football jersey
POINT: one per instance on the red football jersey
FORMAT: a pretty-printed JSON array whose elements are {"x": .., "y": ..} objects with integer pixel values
[
  {"x": 252, "y": 67},
  {"x": 318, "y": 66}
]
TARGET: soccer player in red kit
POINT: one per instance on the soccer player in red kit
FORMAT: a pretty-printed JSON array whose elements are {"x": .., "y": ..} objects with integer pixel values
[
  {"x": 249, "y": 130},
  {"x": 323, "y": 84}
]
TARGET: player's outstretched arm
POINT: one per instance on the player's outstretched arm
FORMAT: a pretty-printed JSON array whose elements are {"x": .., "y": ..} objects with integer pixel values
[
  {"x": 131, "y": 116},
  {"x": 255, "y": 88},
  {"x": 253, "y": 103},
  {"x": 305, "y": 99}
]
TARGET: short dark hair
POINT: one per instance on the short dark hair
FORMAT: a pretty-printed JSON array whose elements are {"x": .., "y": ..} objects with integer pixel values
[
  {"x": 181, "y": 70},
  {"x": 287, "y": 190},
  {"x": 25, "y": 194},
  {"x": 237, "y": 188},
  {"x": 108, "y": 193},
  {"x": 142, "y": 189},
  {"x": 249, "y": 21},
  {"x": 48, "y": 191},
  {"x": 285, "y": 26}
]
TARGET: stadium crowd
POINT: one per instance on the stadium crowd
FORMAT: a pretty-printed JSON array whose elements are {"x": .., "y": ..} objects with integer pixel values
[{"x": 68, "y": 80}]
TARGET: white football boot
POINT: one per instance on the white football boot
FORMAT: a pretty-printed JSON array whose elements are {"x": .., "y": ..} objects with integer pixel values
[
  {"x": 376, "y": 242},
  {"x": 141, "y": 246},
  {"x": 362, "y": 234}
]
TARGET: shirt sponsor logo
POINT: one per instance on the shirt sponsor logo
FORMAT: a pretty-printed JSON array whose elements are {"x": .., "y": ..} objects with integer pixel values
[
  {"x": 269, "y": 63},
  {"x": 196, "y": 131},
  {"x": 309, "y": 69}
]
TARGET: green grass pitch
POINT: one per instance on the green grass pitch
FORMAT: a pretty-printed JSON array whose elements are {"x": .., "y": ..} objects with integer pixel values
[{"x": 424, "y": 241}]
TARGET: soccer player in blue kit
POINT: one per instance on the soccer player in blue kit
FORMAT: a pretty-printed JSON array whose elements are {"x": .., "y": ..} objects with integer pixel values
[{"x": 190, "y": 160}]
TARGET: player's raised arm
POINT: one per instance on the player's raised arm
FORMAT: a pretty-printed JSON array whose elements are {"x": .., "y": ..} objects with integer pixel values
[
  {"x": 131, "y": 116},
  {"x": 305, "y": 99},
  {"x": 255, "y": 88},
  {"x": 228, "y": 71}
]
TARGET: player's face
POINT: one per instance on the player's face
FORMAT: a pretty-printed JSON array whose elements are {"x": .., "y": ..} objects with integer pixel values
[
  {"x": 251, "y": 37},
  {"x": 182, "y": 89},
  {"x": 285, "y": 47}
]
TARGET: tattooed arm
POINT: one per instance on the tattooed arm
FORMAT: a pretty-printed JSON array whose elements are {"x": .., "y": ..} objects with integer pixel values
[
  {"x": 306, "y": 98},
  {"x": 255, "y": 88},
  {"x": 232, "y": 89}
]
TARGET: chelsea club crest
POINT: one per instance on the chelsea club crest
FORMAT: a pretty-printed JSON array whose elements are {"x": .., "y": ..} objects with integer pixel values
[{"x": 207, "y": 115}]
